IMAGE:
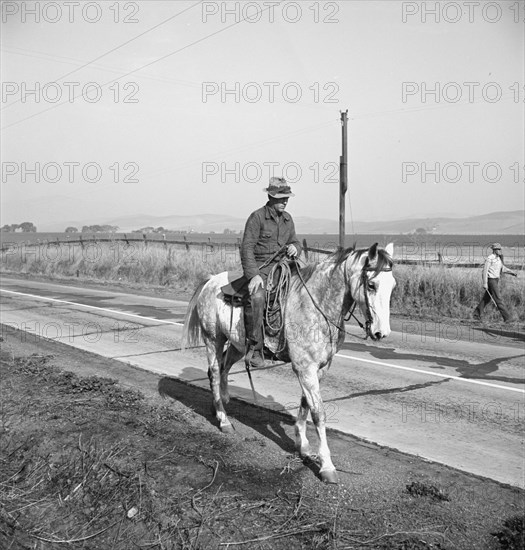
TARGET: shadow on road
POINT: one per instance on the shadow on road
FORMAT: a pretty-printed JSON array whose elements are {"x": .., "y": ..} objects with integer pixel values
[
  {"x": 267, "y": 418},
  {"x": 479, "y": 371}
]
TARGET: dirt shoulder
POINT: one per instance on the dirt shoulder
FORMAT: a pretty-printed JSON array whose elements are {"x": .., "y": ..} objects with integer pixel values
[{"x": 93, "y": 455}]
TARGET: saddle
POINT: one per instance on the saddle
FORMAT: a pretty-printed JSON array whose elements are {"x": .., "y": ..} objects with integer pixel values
[{"x": 236, "y": 291}]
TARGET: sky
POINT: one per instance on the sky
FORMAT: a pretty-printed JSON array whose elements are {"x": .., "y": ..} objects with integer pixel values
[{"x": 120, "y": 108}]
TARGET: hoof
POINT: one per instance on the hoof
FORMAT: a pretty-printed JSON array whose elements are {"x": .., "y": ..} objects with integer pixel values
[
  {"x": 329, "y": 476},
  {"x": 305, "y": 453},
  {"x": 227, "y": 429}
]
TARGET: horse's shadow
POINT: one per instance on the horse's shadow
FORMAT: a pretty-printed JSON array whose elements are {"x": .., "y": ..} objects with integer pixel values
[{"x": 267, "y": 418}]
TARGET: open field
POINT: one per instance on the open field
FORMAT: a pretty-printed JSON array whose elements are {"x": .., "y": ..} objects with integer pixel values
[
  {"x": 422, "y": 291},
  {"x": 93, "y": 458}
]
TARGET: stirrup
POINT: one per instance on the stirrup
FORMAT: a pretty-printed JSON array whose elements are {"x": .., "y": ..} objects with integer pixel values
[{"x": 250, "y": 356}]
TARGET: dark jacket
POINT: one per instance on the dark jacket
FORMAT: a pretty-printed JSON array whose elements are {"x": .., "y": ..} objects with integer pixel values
[{"x": 265, "y": 233}]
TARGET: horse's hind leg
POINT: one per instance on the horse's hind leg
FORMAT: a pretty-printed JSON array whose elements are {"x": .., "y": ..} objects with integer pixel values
[
  {"x": 312, "y": 399},
  {"x": 230, "y": 356},
  {"x": 214, "y": 351}
]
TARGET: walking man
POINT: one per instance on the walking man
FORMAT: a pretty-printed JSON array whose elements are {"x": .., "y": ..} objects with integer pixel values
[
  {"x": 267, "y": 230},
  {"x": 492, "y": 271}
]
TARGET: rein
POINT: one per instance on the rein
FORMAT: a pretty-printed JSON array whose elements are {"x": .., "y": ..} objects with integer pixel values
[{"x": 364, "y": 280}]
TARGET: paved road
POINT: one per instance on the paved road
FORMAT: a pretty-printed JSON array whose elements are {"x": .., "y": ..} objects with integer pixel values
[{"x": 449, "y": 393}]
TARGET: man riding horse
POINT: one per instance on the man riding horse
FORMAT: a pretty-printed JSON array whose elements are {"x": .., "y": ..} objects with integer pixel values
[{"x": 267, "y": 230}]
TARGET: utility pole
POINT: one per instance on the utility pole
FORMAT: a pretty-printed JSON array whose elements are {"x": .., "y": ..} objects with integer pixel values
[{"x": 343, "y": 179}]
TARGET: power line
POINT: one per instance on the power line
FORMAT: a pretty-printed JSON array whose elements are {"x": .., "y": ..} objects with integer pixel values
[
  {"x": 72, "y": 61},
  {"x": 116, "y": 48},
  {"x": 138, "y": 69}
]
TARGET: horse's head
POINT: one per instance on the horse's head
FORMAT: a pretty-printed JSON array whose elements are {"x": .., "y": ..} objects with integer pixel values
[{"x": 371, "y": 285}]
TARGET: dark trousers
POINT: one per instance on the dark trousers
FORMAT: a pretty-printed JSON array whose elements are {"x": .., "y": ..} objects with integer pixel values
[
  {"x": 254, "y": 314},
  {"x": 254, "y": 318},
  {"x": 494, "y": 292}
]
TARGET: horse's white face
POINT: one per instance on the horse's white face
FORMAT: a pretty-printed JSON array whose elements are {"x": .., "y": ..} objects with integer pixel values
[{"x": 375, "y": 304}]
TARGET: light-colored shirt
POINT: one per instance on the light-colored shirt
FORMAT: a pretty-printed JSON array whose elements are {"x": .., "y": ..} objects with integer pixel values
[{"x": 493, "y": 268}]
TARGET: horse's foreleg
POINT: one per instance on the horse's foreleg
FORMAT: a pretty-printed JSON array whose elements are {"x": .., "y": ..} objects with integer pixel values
[
  {"x": 301, "y": 442},
  {"x": 312, "y": 394},
  {"x": 214, "y": 352}
]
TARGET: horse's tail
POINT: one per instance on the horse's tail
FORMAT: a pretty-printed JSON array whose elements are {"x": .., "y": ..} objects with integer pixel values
[{"x": 191, "y": 333}]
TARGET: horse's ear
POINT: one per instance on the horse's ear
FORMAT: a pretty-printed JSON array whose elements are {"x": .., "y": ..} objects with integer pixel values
[
  {"x": 372, "y": 252},
  {"x": 390, "y": 249}
]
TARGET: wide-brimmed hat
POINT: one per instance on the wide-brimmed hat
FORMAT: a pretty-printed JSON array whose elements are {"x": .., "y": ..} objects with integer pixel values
[
  {"x": 278, "y": 188},
  {"x": 495, "y": 246}
]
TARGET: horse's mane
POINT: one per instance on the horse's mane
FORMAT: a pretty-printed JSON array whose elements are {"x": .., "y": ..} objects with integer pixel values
[{"x": 384, "y": 261}]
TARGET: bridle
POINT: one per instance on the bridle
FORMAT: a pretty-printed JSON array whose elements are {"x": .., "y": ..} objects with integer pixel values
[{"x": 364, "y": 282}]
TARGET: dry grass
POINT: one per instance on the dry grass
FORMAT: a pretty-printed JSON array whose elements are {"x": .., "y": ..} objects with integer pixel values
[
  {"x": 440, "y": 291},
  {"x": 152, "y": 264}
]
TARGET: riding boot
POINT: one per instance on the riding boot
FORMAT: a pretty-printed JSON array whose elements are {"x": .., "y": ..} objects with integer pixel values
[{"x": 253, "y": 324}]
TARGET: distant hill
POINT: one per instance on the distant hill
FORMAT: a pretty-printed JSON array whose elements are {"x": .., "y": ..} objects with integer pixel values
[
  {"x": 494, "y": 223},
  {"x": 504, "y": 223}
]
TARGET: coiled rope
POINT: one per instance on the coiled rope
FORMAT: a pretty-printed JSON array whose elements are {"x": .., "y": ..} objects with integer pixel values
[{"x": 277, "y": 286}]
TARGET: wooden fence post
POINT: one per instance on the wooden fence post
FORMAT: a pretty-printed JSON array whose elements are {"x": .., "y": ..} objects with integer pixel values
[
  {"x": 186, "y": 243},
  {"x": 305, "y": 249},
  {"x": 145, "y": 240}
]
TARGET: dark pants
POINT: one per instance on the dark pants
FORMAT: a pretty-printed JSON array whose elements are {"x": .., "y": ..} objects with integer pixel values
[
  {"x": 254, "y": 316},
  {"x": 494, "y": 292}
]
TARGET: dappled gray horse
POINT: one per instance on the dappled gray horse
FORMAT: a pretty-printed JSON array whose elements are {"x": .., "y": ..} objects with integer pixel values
[{"x": 319, "y": 298}]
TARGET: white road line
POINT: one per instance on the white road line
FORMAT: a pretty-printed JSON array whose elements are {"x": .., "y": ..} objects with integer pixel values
[
  {"x": 448, "y": 376},
  {"x": 46, "y": 299},
  {"x": 350, "y": 357}
]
